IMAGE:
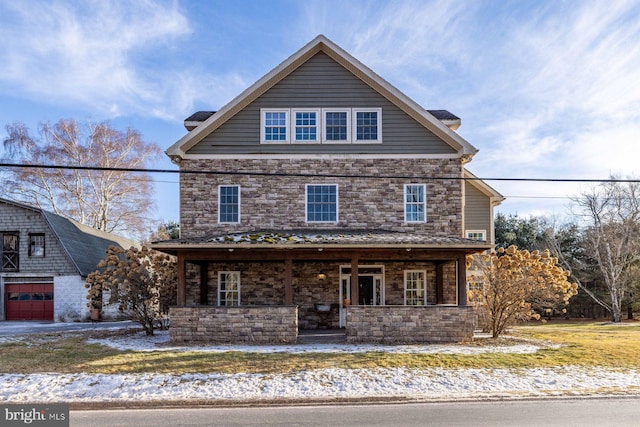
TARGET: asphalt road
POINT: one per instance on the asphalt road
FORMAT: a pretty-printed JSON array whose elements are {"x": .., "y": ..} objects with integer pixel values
[{"x": 604, "y": 412}]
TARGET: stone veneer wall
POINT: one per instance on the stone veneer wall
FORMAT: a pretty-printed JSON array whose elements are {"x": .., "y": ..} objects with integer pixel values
[
  {"x": 394, "y": 281},
  {"x": 226, "y": 325},
  {"x": 409, "y": 325},
  {"x": 278, "y": 202},
  {"x": 263, "y": 284}
]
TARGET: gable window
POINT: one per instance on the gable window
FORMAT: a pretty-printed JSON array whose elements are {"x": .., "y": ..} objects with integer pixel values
[
  {"x": 10, "y": 249},
  {"x": 415, "y": 203},
  {"x": 322, "y": 203},
  {"x": 368, "y": 125},
  {"x": 275, "y": 126},
  {"x": 336, "y": 125},
  {"x": 476, "y": 234},
  {"x": 36, "y": 244},
  {"x": 415, "y": 290},
  {"x": 320, "y": 125},
  {"x": 229, "y": 288},
  {"x": 305, "y": 126},
  {"x": 229, "y": 204}
]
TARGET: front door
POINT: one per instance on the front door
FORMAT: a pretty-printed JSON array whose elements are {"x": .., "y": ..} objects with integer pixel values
[
  {"x": 365, "y": 290},
  {"x": 370, "y": 289}
]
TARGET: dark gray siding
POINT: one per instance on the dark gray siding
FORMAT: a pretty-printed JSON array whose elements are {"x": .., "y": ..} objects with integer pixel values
[
  {"x": 24, "y": 221},
  {"x": 321, "y": 82},
  {"x": 477, "y": 210}
]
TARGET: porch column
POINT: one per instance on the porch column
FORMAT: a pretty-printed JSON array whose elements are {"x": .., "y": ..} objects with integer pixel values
[
  {"x": 204, "y": 283},
  {"x": 462, "y": 281},
  {"x": 181, "y": 298},
  {"x": 355, "y": 298},
  {"x": 440, "y": 283},
  {"x": 288, "y": 280}
]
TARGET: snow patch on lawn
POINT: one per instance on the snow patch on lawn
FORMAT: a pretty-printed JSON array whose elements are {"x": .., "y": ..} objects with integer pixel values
[
  {"x": 434, "y": 383},
  {"x": 400, "y": 383},
  {"x": 160, "y": 342}
]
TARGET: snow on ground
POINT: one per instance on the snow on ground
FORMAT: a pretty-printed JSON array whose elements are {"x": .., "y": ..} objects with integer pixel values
[
  {"x": 434, "y": 383},
  {"x": 160, "y": 342},
  {"x": 400, "y": 383}
]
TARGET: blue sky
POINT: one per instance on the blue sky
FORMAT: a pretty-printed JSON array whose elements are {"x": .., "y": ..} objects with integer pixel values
[{"x": 545, "y": 89}]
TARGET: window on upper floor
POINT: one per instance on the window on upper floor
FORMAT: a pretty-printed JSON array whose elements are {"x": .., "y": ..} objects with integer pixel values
[
  {"x": 367, "y": 125},
  {"x": 476, "y": 234},
  {"x": 322, "y": 203},
  {"x": 306, "y": 125},
  {"x": 9, "y": 257},
  {"x": 229, "y": 204},
  {"x": 229, "y": 288},
  {"x": 415, "y": 203},
  {"x": 336, "y": 125},
  {"x": 36, "y": 244},
  {"x": 275, "y": 126},
  {"x": 415, "y": 288},
  {"x": 315, "y": 125}
]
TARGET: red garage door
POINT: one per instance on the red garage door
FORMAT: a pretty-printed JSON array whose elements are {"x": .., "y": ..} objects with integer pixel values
[{"x": 29, "y": 301}]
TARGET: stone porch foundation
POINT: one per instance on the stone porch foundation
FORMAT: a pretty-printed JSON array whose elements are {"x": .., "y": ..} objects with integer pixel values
[
  {"x": 409, "y": 324},
  {"x": 226, "y": 325}
]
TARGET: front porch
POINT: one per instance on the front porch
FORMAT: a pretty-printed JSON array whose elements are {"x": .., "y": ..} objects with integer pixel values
[
  {"x": 279, "y": 325},
  {"x": 265, "y": 291}
]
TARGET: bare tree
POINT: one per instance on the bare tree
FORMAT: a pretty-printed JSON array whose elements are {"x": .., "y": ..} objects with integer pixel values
[
  {"x": 611, "y": 212},
  {"x": 108, "y": 200},
  {"x": 566, "y": 242}
]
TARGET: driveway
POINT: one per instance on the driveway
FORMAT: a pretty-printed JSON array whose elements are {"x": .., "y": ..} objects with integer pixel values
[{"x": 37, "y": 327}]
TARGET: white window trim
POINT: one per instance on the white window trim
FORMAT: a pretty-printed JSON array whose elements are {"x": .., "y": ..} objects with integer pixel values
[
  {"x": 319, "y": 122},
  {"x": 306, "y": 204},
  {"x": 483, "y": 232},
  {"x": 220, "y": 274},
  {"x": 354, "y": 130},
  {"x": 324, "y": 123},
  {"x": 424, "y": 282},
  {"x": 287, "y": 118},
  {"x": 220, "y": 202},
  {"x": 424, "y": 203}
]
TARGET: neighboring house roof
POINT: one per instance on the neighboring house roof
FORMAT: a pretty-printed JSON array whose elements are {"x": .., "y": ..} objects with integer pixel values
[
  {"x": 85, "y": 246},
  {"x": 313, "y": 238},
  {"x": 322, "y": 44},
  {"x": 483, "y": 187}
]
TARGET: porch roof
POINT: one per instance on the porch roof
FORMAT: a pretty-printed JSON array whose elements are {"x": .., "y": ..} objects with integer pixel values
[{"x": 318, "y": 238}]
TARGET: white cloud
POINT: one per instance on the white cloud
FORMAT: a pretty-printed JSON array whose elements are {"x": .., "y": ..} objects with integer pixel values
[{"x": 113, "y": 58}]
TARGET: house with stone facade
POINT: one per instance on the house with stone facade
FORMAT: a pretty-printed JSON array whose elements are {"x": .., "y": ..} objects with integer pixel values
[
  {"x": 44, "y": 262},
  {"x": 323, "y": 197}
]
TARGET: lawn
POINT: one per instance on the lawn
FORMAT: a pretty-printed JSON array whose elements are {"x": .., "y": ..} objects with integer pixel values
[{"x": 580, "y": 343}]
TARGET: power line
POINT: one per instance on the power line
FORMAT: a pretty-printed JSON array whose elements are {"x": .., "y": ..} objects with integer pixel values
[{"x": 312, "y": 175}]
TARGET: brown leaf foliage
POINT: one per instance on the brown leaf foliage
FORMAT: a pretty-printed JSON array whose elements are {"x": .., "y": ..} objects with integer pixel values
[
  {"x": 142, "y": 282},
  {"x": 515, "y": 285}
]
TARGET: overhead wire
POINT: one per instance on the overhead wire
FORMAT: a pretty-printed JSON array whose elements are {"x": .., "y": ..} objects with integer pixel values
[{"x": 316, "y": 175}]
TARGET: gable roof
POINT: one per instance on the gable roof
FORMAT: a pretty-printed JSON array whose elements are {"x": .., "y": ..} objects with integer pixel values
[
  {"x": 321, "y": 44},
  {"x": 495, "y": 197},
  {"x": 85, "y": 246}
]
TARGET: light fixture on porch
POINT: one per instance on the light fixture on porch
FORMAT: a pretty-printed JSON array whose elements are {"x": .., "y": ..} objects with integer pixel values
[{"x": 321, "y": 276}]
